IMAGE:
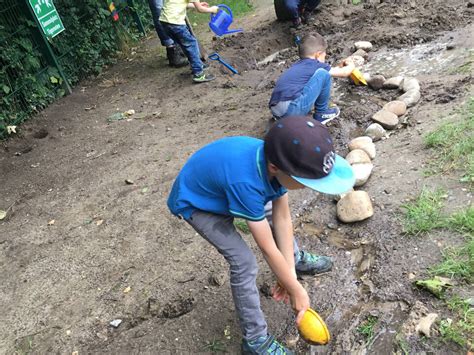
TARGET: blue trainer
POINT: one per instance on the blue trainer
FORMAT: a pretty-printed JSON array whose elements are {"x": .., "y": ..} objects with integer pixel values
[
  {"x": 328, "y": 115},
  {"x": 307, "y": 263},
  {"x": 264, "y": 345}
]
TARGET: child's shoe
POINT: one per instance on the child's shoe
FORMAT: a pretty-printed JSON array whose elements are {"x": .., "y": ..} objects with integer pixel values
[
  {"x": 328, "y": 115},
  {"x": 264, "y": 345},
  {"x": 308, "y": 263},
  {"x": 203, "y": 77}
]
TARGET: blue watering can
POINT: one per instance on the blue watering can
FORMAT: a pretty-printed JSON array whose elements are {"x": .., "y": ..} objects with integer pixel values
[{"x": 221, "y": 21}]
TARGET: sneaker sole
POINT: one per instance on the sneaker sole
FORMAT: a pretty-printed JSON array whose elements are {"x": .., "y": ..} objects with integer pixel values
[
  {"x": 313, "y": 272},
  {"x": 203, "y": 81}
]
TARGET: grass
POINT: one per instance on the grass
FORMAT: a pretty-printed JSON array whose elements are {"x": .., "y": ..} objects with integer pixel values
[
  {"x": 453, "y": 144},
  {"x": 366, "y": 329},
  {"x": 241, "y": 225},
  {"x": 424, "y": 214},
  {"x": 215, "y": 346},
  {"x": 239, "y": 8}
]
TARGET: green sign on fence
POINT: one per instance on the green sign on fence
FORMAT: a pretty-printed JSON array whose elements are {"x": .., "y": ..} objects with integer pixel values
[{"x": 47, "y": 16}]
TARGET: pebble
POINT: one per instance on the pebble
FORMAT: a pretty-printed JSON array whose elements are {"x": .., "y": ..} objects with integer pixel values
[
  {"x": 410, "y": 84},
  {"x": 362, "y": 172},
  {"x": 386, "y": 119},
  {"x": 115, "y": 323},
  {"x": 357, "y": 156},
  {"x": 410, "y": 98},
  {"x": 376, "y": 132},
  {"x": 355, "y": 206},
  {"x": 365, "y": 143},
  {"x": 425, "y": 323},
  {"x": 362, "y": 53},
  {"x": 397, "y": 107},
  {"x": 376, "y": 81},
  {"x": 365, "y": 45},
  {"x": 218, "y": 278},
  {"x": 393, "y": 83}
]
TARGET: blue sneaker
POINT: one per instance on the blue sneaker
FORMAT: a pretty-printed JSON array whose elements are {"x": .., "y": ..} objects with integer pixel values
[
  {"x": 328, "y": 115},
  {"x": 264, "y": 345},
  {"x": 308, "y": 263}
]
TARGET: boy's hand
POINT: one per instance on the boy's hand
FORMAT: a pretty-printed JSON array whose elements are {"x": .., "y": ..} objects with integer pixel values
[
  {"x": 299, "y": 302},
  {"x": 279, "y": 293},
  {"x": 205, "y": 4},
  {"x": 348, "y": 62},
  {"x": 214, "y": 9}
]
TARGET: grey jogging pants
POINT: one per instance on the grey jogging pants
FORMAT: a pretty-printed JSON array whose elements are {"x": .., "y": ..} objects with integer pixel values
[{"x": 219, "y": 230}]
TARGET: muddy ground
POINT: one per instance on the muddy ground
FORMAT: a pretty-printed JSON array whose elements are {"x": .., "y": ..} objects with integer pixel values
[{"x": 81, "y": 247}]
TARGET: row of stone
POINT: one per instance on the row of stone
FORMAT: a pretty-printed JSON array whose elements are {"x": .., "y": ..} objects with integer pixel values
[{"x": 357, "y": 206}]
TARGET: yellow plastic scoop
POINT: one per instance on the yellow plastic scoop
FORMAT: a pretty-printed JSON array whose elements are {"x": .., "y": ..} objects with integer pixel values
[
  {"x": 313, "y": 329},
  {"x": 357, "y": 77}
]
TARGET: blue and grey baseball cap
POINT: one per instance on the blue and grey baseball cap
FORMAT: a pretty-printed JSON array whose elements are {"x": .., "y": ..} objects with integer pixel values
[{"x": 303, "y": 148}]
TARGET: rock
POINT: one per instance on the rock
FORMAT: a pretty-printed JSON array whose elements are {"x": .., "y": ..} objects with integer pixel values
[
  {"x": 410, "y": 98},
  {"x": 393, "y": 83},
  {"x": 386, "y": 119},
  {"x": 358, "y": 60},
  {"x": 362, "y": 172},
  {"x": 357, "y": 156},
  {"x": 376, "y": 132},
  {"x": 347, "y": 12},
  {"x": 397, "y": 107},
  {"x": 365, "y": 143},
  {"x": 376, "y": 82},
  {"x": 362, "y": 53},
  {"x": 115, "y": 323},
  {"x": 365, "y": 45},
  {"x": 178, "y": 307},
  {"x": 153, "y": 306},
  {"x": 218, "y": 278},
  {"x": 338, "y": 197},
  {"x": 410, "y": 84},
  {"x": 355, "y": 206},
  {"x": 425, "y": 323}
]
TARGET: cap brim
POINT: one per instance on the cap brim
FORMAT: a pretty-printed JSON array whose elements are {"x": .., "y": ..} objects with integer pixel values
[{"x": 340, "y": 180}]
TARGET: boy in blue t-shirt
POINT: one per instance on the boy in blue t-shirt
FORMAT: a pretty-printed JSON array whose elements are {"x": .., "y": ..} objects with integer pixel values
[
  {"x": 307, "y": 83},
  {"x": 240, "y": 177}
]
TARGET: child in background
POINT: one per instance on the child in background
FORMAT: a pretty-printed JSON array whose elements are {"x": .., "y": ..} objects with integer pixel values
[
  {"x": 301, "y": 10},
  {"x": 173, "y": 20},
  {"x": 238, "y": 177},
  {"x": 307, "y": 83}
]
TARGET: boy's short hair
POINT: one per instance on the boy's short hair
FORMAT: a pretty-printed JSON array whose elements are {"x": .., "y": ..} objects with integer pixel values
[{"x": 311, "y": 44}]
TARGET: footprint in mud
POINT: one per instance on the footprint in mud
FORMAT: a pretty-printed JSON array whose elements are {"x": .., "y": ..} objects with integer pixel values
[{"x": 178, "y": 307}]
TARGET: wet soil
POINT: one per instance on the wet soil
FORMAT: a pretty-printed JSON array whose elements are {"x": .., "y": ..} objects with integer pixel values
[{"x": 81, "y": 247}]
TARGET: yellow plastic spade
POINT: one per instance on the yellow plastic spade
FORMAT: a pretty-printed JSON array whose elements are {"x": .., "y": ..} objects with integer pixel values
[
  {"x": 313, "y": 329},
  {"x": 358, "y": 77}
]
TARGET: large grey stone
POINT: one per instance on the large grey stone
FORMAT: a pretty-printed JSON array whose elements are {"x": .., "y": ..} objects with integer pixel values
[
  {"x": 376, "y": 132},
  {"x": 376, "y": 81},
  {"x": 393, "y": 83},
  {"x": 362, "y": 172},
  {"x": 358, "y": 60},
  {"x": 410, "y": 84},
  {"x": 355, "y": 206},
  {"x": 387, "y": 119},
  {"x": 365, "y": 45},
  {"x": 357, "y": 156},
  {"x": 362, "y": 53},
  {"x": 397, "y": 107},
  {"x": 410, "y": 98},
  {"x": 365, "y": 143}
]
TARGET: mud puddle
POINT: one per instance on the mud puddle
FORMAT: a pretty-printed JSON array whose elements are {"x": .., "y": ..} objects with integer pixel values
[{"x": 443, "y": 55}]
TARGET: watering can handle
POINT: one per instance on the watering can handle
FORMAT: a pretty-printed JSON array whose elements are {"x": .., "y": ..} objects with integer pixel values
[{"x": 227, "y": 8}]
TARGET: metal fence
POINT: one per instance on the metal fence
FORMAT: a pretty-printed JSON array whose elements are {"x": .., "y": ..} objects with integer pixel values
[{"x": 35, "y": 69}]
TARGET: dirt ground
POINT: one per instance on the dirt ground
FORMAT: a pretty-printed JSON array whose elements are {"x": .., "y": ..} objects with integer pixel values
[{"x": 80, "y": 247}]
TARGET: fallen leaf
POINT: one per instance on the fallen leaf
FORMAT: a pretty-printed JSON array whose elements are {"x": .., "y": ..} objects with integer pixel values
[
  {"x": 3, "y": 214},
  {"x": 437, "y": 285},
  {"x": 127, "y": 289},
  {"x": 116, "y": 117},
  {"x": 50, "y": 223},
  {"x": 99, "y": 222},
  {"x": 144, "y": 190},
  {"x": 129, "y": 112},
  {"x": 11, "y": 129}
]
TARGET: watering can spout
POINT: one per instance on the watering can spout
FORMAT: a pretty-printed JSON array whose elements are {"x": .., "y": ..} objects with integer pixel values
[{"x": 221, "y": 21}]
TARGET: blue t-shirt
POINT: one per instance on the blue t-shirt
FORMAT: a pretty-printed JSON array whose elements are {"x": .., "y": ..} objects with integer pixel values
[
  {"x": 227, "y": 177},
  {"x": 291, "y": 83}
]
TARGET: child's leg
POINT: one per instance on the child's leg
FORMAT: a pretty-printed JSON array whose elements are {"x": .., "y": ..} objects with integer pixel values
[
  {"x": 156, "y": 6},
  {"x": 311, "y": 5},
  {"x": 315, "y": 93},
  {"x": 293, "y": 8},
  {"x": 181, "y": 35},
  {"x": 221, "y": 233}
]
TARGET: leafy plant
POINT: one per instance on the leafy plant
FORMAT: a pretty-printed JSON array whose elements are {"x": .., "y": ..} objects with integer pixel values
[{"x": 366, "y": 329}]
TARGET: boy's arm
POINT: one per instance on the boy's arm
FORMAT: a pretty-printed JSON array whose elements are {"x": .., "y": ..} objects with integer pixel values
[
  {"x": 344, "y": 71},
  {"x": 203, "y": 7},
  {"x": 283, "y": 229}
]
